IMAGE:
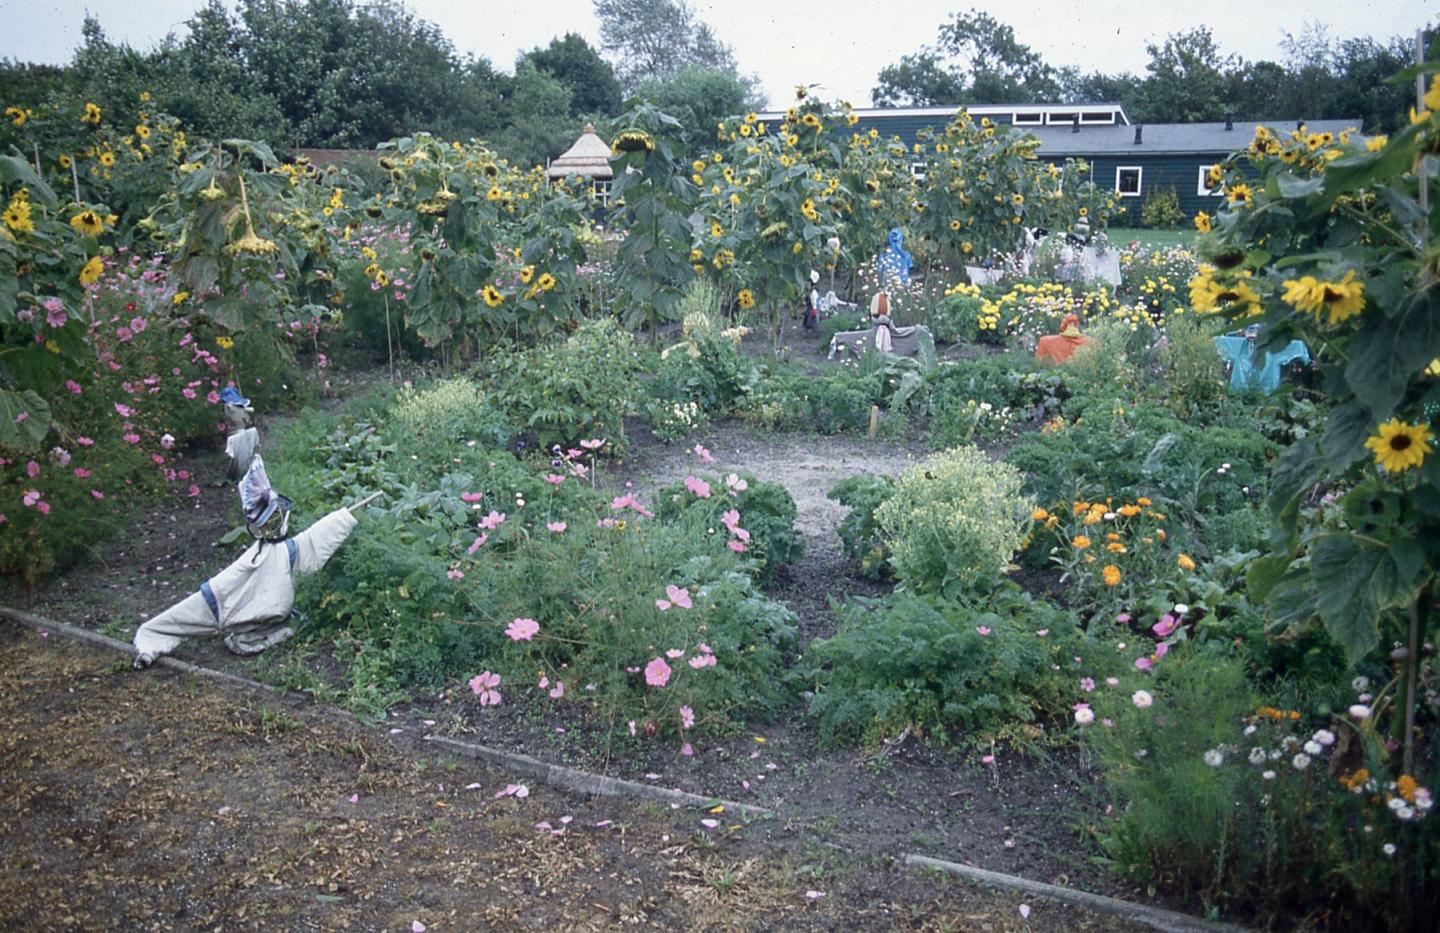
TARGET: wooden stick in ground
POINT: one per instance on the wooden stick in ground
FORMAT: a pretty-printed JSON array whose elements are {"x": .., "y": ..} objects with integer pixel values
[{"x": 365, "y": 501}]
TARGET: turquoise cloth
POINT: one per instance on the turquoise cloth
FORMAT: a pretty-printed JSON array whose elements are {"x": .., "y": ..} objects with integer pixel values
[
  {"x": 1244, "y": 374},
  {"x": 893, "y": 265}
]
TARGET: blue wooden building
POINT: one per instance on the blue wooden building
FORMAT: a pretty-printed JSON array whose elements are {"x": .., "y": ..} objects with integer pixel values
[{"x": 1131, "y": 159}]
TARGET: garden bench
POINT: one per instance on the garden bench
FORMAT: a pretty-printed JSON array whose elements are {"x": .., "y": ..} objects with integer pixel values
[{"x": 903, "y": 341}]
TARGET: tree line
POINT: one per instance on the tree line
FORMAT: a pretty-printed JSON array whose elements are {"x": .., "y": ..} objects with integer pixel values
[{"x": 1189, "y": 78}]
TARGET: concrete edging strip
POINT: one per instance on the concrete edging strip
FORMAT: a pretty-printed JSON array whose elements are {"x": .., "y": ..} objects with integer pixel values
[
  {"x": 1154, "y": 917},
  {"x": 584, "y": 782}
]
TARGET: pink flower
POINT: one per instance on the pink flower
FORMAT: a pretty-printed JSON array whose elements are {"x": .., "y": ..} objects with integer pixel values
[
  {"x": 557, "y": 527},
  {"x": 22, "y": 417},
  {"x": 32, "y": 469},
  {"x": 557, "y": 691},
  {"x": 477, "y": 544},
  {"x": 130, "y": 437},
  {"x": 73, "y": 386},
  {"x": 688, "y": 751},
  {"x": 1042, "y": 632},
  {"x": 522, "y": 629},
  {"x": 493, "y": 520},
  {"x": 125, "y": 411},
  {"x": 674, "y": 653},
  {"x": 85, "y": 441},
  {"x": 194, "y": 491},
  {"x": 687, "y": 717},
  {"x": 213, "y": 397},
  {"x": 138, "y": 325},
  {"x": 81, "y": 472},
  {"x": 737, "y": 546},
  {"x": 1087, "y": 684},
  {"x": 703, "y": 454},
  {"x": 42, "y": 507},
  {"x": 1142, "y": 699},
  {"x": 1123, "y": 617},
  {"x": 678, "y": 595},
  {"x": 1084, "y": 715},
  {"x": 31, "y": 497},
  {"x": 1143, "y": 664},
  {"x": 698, "y": 486},
  {"x": 167, "y": 441},
  {"x": 1112, "y": 681},
  {"x": 471, "y": 496},
  {"x": 188, "y": 393},
  {"x": 736, "y": 484},
  {"x": 982, "y": 630},
  {"x": 593, "y": 444},
  {"x": 124, "y": 334},
  {"x": 157, "y": 459},
  {"x": 1161, "y": 650},
  {"x": 554, "y": 479},
  {"x": 455, "y": 574},
  {"x": 97, "y": 494},
  {"x": 1165, "y": 626},
  {"x": 702, "y": 660},
  {"x": 657, "y": 672},
  {"x": 484, "y": 684},
  {"x": 987, "y": 759}
]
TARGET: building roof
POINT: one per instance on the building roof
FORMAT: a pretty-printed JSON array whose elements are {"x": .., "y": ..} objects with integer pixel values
[
  {"x": 1166, "y": 138},
  {"x": 589, "y": 157}
]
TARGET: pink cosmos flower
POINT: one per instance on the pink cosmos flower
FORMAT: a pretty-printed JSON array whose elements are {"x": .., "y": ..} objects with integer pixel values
[
  {"x": 703, "y": 454},
  {"x": 188, "y": 393},
  {"x": 1042, "y": 632},
  {"x": 31, "y": 497},
  {"x": 97, "y": 494},
  {"x": 484, "y": 684},
  {"x": 1143, "y": 664},
  {"x": 1142, "y": 699},
  {"x": 593, "y": 444},
  {"x": 194, "y": 491},
  {"x": 558, "y": 690},
  {"x": 471, "y": 496},
  {"x": 81, "y": 472},
  {"x": 702, "y": 660},
  {"x": 679, "y": 596},
  {"x": 688, "y": 751},
  {"x": 55, "y": 315},
  {"x": 735, "y": 484},
  {"x": 138, "y": 325},
  {"x": 522, "y": 629},
  {"x": 673, "y": 653},
  {"x": 557, "y": 527},
  {"x": 1112, "y": 681},
  {"x": 32, "y": 469},
  {"x": 1087, "y": 684},
  {"x": 737, "y": 546},
  {"x": 73, "y": 386},
  {"x": 1084, "y": 715},
  {"x": 213, "y": 397},
  {"x": 167, "y": 441},
  {"x": 982, "y": 630},
  {"x": 554, "y": 479},
  {"x": 698, "y": 486},
  {"x": 477, "y": 544},
  {"x": 125, "y": 411},
  {"x": 1165, "y": 627},
  {"x": 687, "y": 717},
  {"x": 493, "y": 520},
  {"x": 455, "y": 574},
  {"x": 125, "y": 334},
  {"x": 130, "y": 437},
  {"x": 22, "y": 417},
  {"x": 657, "y": 673},
  {"x": 42, "y": 507},
  {"x": 1161, "y": 650},
  {"x": 628, "y": 501},
  {"x": 1123, "y": 618}
]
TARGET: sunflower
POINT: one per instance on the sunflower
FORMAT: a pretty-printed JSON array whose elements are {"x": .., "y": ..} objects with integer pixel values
[
  {"x": 746, "y": 299},
  {"x": 142, "y": 131},
  {"x": 88, "y": 223},
  {"x": 17, "y": 216},
  {"x": 955, "y": 225},
  {"x": 1241, "y": 194},
  {"x": 810, "y": 120},
  {"x": 91, "y": 115},
  {"x": 492, "y": 296},
  {"x": 1343, "y": 299},
  {"x": 107, "y": 158},
  {"x": 716, "y": 230},
  {"x": 526, "y": 274},
  {"x": 851, "y": 119},
  {"x": 494, "y": 194},
  {"x": 808, "y": 210},
  {"x": 92, "y": 271},
  {"x": 1202, "y": 222},
  {"x": 545, "y": 282},
  {"x": 64, "y": 161},
  {"x": 633, "y": 141},
  {"x": 252, "y": 244},
  {"x": 1400, "y": 445}
]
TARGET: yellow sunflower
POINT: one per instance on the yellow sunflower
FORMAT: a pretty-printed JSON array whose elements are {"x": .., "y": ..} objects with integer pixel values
[
  {"x": 88, "y": 223},
  {"x": 92, "y": 271},
  {"x": 746, "y": 299},
  {"x": 107, "y": 158},
  {"x": 492, "y": 295},
  {"x": 1202, "y": 222},
  {"x": 545, "y": 282},
  {"x": 1400, "y": 445},
  {"x": 526, "y": 274},
  {"x": 1343, "y": 299}
]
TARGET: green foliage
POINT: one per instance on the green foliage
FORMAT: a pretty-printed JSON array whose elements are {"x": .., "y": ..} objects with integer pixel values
[
  {"x": 954, "y": 522},
  {"x": 940, "y": 668},
  {"x": 562, "y": 393},
  {"x": 859, "y": 532},
  {"x": 766, "y": 512},
  {"x": 988, "y": 397},
  {"x": 1194, "y": 375},
  {"x": 703, "y": 375},
  {"x": 1162, "y": 209},
  {"x": 838, "y": 402}
]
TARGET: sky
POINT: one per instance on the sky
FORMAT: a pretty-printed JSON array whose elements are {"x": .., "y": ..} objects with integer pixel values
[{"x": 840, "y": 45}]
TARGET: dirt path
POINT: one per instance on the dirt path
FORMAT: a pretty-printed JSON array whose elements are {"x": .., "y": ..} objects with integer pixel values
[{"x": 155, "y": 801}]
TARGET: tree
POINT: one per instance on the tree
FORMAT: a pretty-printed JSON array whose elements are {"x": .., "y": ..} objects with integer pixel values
[
  {"x": 1186, "y": 81},
  {"x": 539, "y": 125},
  {"x": 590, "y": 79},
  {"x": 700, "y": 98},
  {"x": 975, "y": 58},
  {"x": 657, "y": 39}
]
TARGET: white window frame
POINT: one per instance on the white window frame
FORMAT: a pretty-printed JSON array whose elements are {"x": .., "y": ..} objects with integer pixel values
[
  {"x": 1062, "y": 119},
  {"x": 1029, "y": 119},
  {"x": 1139, "y": 171},
  {"x": 1097, "y": 117},
  {"x": 600, "y": 187},
  {"x": 917, "y": 171},
  {"x": 1200, "y": 186}
]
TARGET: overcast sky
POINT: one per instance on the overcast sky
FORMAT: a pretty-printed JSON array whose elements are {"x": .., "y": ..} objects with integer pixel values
[{"x": 840, "y": 44}]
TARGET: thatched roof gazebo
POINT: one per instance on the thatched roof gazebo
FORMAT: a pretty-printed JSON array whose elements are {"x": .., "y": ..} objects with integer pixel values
[{"x": 588, "y": 158}]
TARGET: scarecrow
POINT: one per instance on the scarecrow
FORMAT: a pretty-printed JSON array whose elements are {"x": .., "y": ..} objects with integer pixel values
[{"x": 248, "y": 603}]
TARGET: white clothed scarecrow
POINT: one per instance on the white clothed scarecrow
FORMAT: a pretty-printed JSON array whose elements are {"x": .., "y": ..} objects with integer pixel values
[{"x": 249, "y": 602}]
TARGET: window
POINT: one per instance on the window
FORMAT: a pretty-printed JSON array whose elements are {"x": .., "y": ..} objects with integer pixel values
[
  {"x": 1098, "y": 116},
  {"x": 1055, "y": 118},
  {"x": 1127, "y": 181},
  {"x": 917, "y": 170},
  {"x": 1202, "y": 183},
  {"x": 1029, "y": 119},
  {"x": 601, "y": 188}
]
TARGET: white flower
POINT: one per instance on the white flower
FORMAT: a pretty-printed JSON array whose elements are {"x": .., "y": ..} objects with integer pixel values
[
  {"x": 1423, "y": 800},
  {"x": 1110, "y": 516},
  {"x": 1325, "y": 737},
  {"x": 1251, "y": 729},
  {"x": 1313, "y": 748},
  {"x": 1301, "y": 761},
  {"x": 1406, "y": 812},
  {"x": 1388, "y": 848},
  {"x": 1359, "y": 711},
  {"x": 1268, "y": 775},
  {"x": 1142, "y": 698},
  {"x": 1181, "y": 609},
  {"x": 1360, "y": 684},
  {"x": 1396, "y": 803},
  {"x": 1257, "y": 756},
  {"x": 1214, "y": 758},
  {"x": 1084, "y": 715}
]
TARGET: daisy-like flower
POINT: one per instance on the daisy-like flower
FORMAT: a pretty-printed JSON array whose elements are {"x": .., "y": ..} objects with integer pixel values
[
  {"x": 1111, "y": 575},
  {"x": 1142, "y": 699},
  {"x": 1400, "y": 445},
  {"x": 522, "y": 629}
]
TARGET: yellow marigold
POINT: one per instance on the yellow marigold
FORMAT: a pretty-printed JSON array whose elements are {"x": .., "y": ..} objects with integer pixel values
[
  {"x": 1355, "y": 780},
  {"x": 1039, "y": 515},
  {"x": 1111, "y": 575},
  {"x": 1080, "y": 542},
  {"x": 1143, "y": 500},
  {"x": 1399, "y": 445},
  {"x": 179, "y": 298},
  {"x": 1184, "y": 562},
  {"x": 92, "y": 271},
  {"x": 1129, "y": 511},
  {"x": 1406, "y": 787},
  {"x": 1115, "y": 547}
]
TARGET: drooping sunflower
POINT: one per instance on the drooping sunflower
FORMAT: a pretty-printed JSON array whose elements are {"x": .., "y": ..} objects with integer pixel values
[
  {"x": 633, "y": 141},
  {"x": 1342, "y": 300},
  {"x": 492, "y": 295},
  {"x": 746, "y": 299},
  {"x": 1400, "y": 445}
]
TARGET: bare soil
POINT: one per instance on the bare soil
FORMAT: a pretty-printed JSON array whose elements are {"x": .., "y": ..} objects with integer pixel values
[{"x": 155, "y": 801}]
